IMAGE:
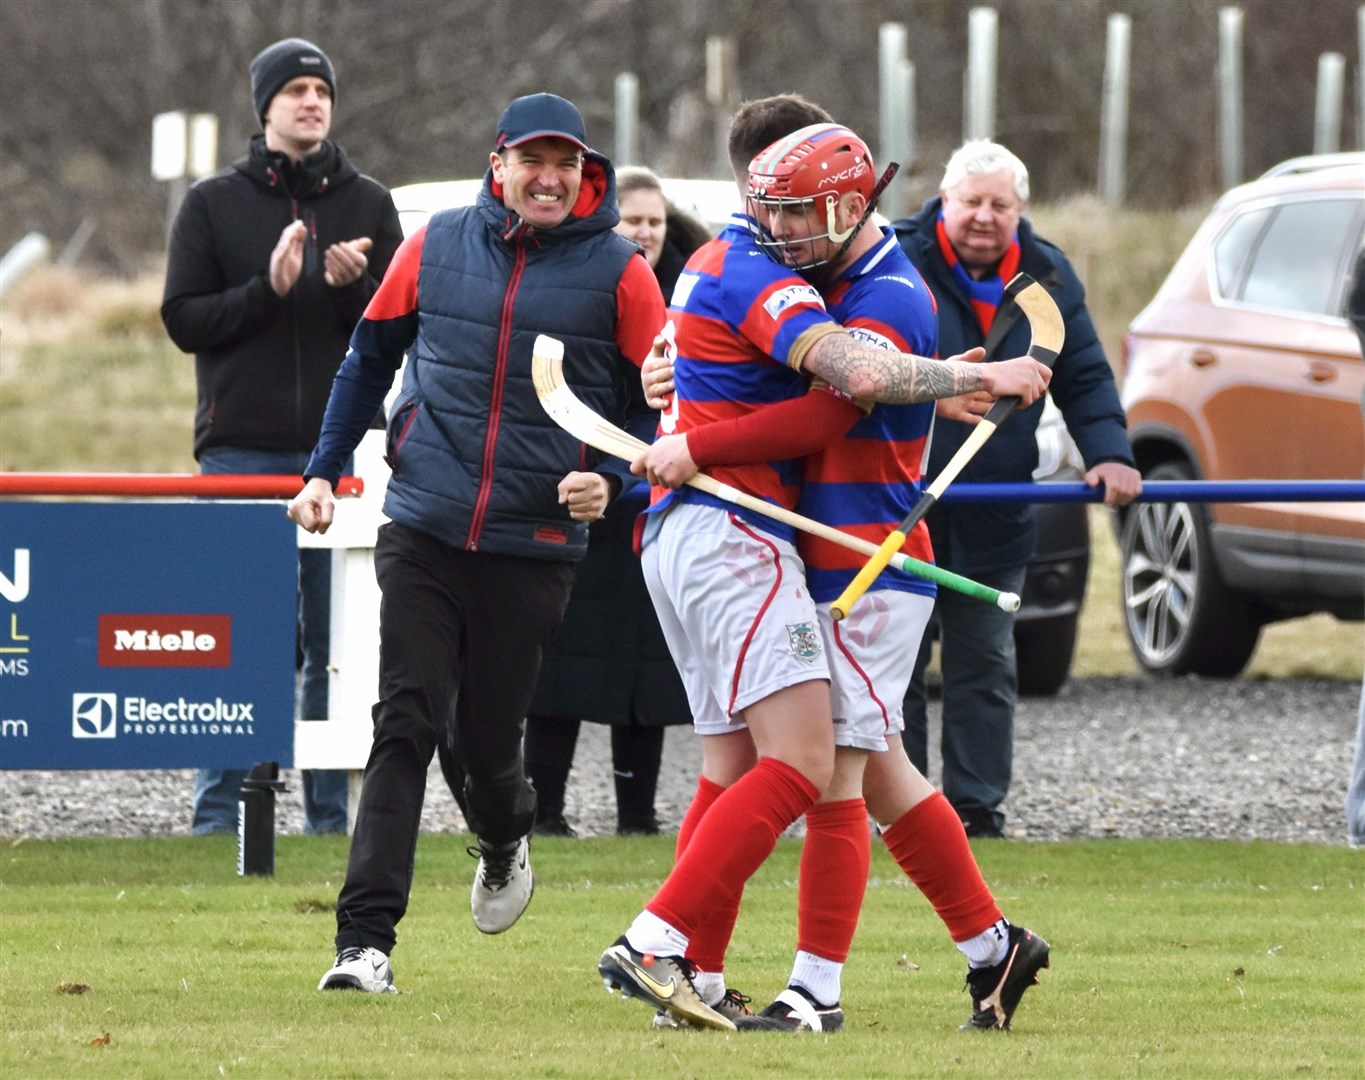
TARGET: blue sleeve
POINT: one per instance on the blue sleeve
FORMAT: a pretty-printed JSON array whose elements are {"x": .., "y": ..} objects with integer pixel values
[{"x": 358, "y": 391}]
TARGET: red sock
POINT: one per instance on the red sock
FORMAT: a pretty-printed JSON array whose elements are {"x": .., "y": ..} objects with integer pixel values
[
  {"x": 711, "y": 938},
  {"x": 708, "y": 791},
  {"x": 930, "y": 845},
  {"x": 834, "y": 864},
  {"x": 733, "y": 838}
]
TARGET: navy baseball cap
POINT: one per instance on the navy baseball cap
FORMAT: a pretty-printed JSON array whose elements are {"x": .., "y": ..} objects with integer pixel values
[{"x": 540, "y": 116}]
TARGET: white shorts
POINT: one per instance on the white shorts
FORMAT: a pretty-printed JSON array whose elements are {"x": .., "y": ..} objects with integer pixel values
[
  {"x": 735, "y": 611},
  {"x": 871, "y": 657}
]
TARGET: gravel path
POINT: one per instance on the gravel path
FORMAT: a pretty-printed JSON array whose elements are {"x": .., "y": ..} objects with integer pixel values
[{"x": 1124, "y": 757}]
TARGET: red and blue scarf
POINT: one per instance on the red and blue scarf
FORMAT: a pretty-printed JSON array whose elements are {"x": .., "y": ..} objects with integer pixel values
[{"x": 988, "y": 293}]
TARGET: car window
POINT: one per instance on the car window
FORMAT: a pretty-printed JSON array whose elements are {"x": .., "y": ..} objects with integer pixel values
[
  {"x": 1231, "y": 249},
  {"x": 1296, "y": 264}
]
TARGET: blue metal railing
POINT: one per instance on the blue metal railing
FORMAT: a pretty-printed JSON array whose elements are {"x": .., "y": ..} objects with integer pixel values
[{"x": 1165, "y": 491}]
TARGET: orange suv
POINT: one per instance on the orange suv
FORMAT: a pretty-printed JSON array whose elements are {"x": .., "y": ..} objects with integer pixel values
[{"x": 1245, "y": 367}]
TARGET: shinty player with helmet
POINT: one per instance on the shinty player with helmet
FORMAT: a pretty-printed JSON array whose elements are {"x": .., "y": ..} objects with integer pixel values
[
  {"x": 811, "y": 195},
  {"x": 730, "y": 587},
  {"x": 805, "y": 178}
]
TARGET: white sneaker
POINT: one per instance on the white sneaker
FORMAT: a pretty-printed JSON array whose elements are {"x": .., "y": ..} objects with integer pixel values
[
  {"x": 502, "y": 886},
  {"x": 360, "y": 969}
]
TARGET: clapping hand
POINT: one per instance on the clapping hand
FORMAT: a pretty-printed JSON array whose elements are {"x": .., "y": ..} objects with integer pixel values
[{"x": 345, "y": 262}]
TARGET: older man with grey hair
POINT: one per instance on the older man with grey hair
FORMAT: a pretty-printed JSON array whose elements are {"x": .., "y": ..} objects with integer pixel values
[{"x": 968, "y": 242}]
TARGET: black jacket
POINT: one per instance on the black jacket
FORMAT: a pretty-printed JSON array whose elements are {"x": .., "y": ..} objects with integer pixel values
[
  {"x": 608, "y": 662},
  {"x": 264, "y": 364},
  {"x": 977, "y": 537}
]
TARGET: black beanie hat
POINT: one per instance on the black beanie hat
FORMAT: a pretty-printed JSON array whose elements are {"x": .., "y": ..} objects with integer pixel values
[{"x": 276, "y": 64}]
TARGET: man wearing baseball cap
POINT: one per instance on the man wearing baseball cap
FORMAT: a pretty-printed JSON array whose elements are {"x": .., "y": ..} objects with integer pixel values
[
  {"x": 489, "y": 501},
  {"x": 271, "y": 263}
]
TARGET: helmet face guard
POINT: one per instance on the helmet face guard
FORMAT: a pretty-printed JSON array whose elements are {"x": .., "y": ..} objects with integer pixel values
[
  {"x": 795, "y": 187},
  {"x": 798, "y": 233}
]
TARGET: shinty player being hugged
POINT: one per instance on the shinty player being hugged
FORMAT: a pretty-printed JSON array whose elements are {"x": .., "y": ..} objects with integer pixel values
[
  {"x": 730, "y": 588},
  {"x": 863, "y": 484}
]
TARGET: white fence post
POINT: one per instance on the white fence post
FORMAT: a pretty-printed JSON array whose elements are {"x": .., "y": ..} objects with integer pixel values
[
  {"x": 1230, "y": 95},
  {"x": 627, "y": 119},
  {"x": 1114, "y": 110},
  {"x": 895, "y": 122},
  {"x": 1327, "y": 112},
  {"x": 979, "y": 115}
]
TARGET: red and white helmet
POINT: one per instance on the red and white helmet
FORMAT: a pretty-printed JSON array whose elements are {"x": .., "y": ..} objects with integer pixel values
[{"x": 807, "y": 172}]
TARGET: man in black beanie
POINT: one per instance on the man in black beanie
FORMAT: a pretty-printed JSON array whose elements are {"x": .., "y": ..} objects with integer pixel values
[
  {"x": 275, "y": 65},
  {"x": 271, "y": 263}
]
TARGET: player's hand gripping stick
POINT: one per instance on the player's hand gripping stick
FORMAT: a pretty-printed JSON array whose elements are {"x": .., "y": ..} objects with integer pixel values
[
  {"x": 568, "y": 411},
  {"x": 1045, "y": 326}
]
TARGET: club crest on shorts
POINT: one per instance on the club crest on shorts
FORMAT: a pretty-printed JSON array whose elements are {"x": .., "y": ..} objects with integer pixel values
[{"x": 803, "y": 639}]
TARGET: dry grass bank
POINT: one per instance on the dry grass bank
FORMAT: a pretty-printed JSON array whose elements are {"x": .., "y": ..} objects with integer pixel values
[{"x": 89, "y": 382}]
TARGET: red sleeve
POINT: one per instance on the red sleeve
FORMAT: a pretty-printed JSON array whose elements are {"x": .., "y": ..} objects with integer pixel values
[
  {"x": 786, "y": 429},
  {"x": 397, "y": 293},
  {"x": 640, "y": 312}
]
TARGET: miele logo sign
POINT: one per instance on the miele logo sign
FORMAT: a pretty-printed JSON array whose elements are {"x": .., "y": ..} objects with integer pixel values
[{"x": 165, "y": 641}]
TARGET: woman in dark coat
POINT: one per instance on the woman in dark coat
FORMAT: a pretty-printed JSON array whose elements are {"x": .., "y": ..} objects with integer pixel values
[{"x": 608, "y": 662}]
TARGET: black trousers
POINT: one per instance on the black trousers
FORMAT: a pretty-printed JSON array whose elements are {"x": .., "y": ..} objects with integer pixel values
[
  {"x": 461, "y": 639},
  {"x": 636, "y": 754}
]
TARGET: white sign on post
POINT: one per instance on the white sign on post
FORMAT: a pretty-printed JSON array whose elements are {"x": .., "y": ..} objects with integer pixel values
[
  {"x": 203, "y": 149},
  {"x": 169, "y": 145},
  {"x": 184, "y": 145}
]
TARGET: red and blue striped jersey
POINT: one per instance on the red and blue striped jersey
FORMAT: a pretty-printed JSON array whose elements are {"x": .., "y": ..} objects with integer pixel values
[
  {"x": 868, "y": 481},
  {"x": 738, "y": 326}
]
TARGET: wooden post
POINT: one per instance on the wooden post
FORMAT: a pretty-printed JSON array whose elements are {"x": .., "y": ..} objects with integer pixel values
[{"x": 722, "y": 94}]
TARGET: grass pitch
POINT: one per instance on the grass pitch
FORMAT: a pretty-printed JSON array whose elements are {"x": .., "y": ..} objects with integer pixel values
[{"x": 1170, "y": 958}]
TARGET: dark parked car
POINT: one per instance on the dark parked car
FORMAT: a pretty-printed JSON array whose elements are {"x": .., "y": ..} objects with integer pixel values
[
  {"x": 1244, "y": 367},
  {"x": 1054, "y": 585}
]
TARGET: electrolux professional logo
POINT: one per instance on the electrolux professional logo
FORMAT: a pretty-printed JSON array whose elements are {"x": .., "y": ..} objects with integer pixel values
[
  {"x": 94, "y": 716},
  {"x": 165, "y": 641},
  {"x": 14, "y": 589}
]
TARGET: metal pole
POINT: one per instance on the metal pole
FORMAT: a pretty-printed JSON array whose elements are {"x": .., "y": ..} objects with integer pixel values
[
  {"x": 1327, "y": 115},
  {"x": 627, "y": 118},
  {"x": 176, "y": 190},
  {"x": 1360, "y": 77},
  {"x": 912, "y": 133},
  {"x": 981, "y": 63},
  {"x": 1200, "y": 491},
  {"x": 891, "y": 120},
  {"x": 1230, "y": 94},
  {"x": 1114, "y": 110}
]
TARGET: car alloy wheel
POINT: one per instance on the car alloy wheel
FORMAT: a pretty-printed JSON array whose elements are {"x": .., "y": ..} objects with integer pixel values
[{"x": 1180, "y": 617}]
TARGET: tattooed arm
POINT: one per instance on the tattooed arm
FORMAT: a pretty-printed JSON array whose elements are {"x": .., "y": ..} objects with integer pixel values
[{"x": 897, "y": 378}]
